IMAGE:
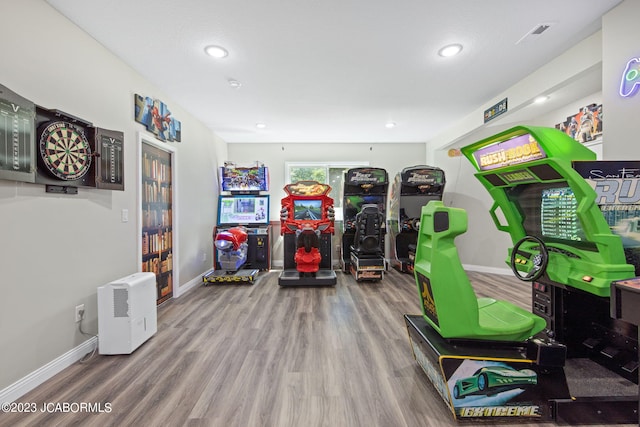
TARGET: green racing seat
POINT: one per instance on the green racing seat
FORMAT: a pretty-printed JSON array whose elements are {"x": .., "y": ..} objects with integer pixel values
[{"x": 449, "y": 303}]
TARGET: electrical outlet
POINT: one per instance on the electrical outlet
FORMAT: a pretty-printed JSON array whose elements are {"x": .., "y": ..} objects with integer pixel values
[{"x": 79, "y": 308}]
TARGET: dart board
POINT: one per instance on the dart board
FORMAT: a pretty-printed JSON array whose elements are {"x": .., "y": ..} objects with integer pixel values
[{"x": 65, "y": 150}]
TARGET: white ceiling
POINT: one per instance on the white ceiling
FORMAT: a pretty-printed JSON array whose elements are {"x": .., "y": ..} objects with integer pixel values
[{"x": 333, "y": 70}]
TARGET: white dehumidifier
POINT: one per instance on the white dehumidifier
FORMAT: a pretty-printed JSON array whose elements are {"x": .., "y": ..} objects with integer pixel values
[{"x": 127, "y": 313}]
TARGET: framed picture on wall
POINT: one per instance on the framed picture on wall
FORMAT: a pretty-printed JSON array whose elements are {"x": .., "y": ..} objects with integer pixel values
[
  {"x": 156, "y": 117},
  {"x": 585, "y": 125}
]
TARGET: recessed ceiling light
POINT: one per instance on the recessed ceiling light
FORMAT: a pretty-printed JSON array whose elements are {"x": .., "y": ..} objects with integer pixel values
[
  {"x": 216, "y": 51},
  {"x": 540, "y": 99},
  {"x": 450, "y": 50},
  {"x": 390, "y": 125},
  {"x": 234, "y": 83},
  {"x": 261, "y": 125}
]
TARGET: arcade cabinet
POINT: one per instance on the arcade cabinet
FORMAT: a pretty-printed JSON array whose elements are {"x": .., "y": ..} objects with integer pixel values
[
  {"x": 363, "y": 233},
  {"x": 241, "y": 236},
  {"x": 412, "y": 188},
  {"x": 568, "y": 360},
  {"x": 307, "y": 223}
]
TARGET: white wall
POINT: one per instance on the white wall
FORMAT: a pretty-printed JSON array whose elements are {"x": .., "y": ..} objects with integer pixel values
[
  {"x": 55, "y": 250},
  {"x": 620, "y": 41},
  {"x": 563, "y": 70}
]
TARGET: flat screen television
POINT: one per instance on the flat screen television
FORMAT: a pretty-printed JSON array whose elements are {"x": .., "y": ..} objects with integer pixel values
[
  {"x": 249, "y": 210},
  {"x": 307, "y": 209},
  {"x": 238, "y": 179}
]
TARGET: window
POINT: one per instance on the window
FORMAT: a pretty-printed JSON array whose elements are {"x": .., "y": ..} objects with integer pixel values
[
  {"x": 331, "y": 173},
  {"x": 308, "y": 173}
]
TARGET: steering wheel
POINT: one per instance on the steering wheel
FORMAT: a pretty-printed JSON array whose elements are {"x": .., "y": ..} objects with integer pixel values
[{"x": 540, "y": 260}]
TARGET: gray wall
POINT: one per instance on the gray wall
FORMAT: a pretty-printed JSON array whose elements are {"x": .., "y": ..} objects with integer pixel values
[{"x": 56, "y": 250}]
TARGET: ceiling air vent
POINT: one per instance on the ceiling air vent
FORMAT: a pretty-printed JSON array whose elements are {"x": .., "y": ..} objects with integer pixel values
[
  {"x": 540, "y": 29},
  {"x": 535, "y": 31}
]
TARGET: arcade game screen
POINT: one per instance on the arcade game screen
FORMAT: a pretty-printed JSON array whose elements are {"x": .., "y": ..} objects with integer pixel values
[
  {"x": 244, "y": 179},
  {"x": 549, "y": 211},
  {"x": 353, "y": 204},
  {"x": 243, "y": 210},
  {"x": 307, "y": 209}
]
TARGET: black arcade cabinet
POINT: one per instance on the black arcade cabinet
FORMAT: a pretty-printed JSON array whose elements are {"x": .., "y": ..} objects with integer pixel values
[
  {"x": 412, "y": 189},
  {"x": 364, "y": 228}
]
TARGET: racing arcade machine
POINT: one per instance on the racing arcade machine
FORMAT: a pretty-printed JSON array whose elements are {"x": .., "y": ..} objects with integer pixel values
[
  {"x": 241, "y": 236},
  {"x": 412, "y": 188},
  {"x": 569, "y": 360},
  {"x": 307, "y": 223},
  {"x": 364, "y": 207}
]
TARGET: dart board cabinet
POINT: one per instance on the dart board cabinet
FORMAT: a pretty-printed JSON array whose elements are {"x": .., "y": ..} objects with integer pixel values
[{"x": 72, "y": 153}]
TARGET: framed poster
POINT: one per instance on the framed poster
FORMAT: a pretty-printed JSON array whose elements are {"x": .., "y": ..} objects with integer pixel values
[
  {"x": 585, "y": 125},
  {"x": 156, "y": 117},
  {"x": 17, "y": 154}
]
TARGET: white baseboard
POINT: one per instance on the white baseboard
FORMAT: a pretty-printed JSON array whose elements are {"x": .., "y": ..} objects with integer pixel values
[
  {"x": 485, "y": 269},
  {"x": 42, "y": 374},
  {"x": 190, "y": 285}
]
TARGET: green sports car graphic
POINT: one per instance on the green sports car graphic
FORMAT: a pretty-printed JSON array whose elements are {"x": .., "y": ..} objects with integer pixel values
[{"x": 491, "y": 380}]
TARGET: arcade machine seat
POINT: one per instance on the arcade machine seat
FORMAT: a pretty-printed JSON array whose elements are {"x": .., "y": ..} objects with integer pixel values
[
  {"x": 367, "y": 258},
  {"x": 477, "y": 346},
  {"x": 449, "y": 303},
  {"x": 232, "y": 247},
  {"x": 307, "y": 256}
]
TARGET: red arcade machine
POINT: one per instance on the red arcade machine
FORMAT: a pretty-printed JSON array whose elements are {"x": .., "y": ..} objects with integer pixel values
[{"x": 307, "y": 219}]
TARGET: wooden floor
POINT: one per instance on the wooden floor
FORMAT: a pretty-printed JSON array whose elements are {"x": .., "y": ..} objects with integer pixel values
[{"x": 263, "y": 355}]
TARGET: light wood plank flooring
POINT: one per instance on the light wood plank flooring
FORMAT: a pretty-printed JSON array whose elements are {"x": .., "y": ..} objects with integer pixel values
[{"x": 263, "y": 355}]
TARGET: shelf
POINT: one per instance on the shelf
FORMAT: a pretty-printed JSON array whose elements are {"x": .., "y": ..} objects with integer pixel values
[{"x": 157, "y": 217}]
